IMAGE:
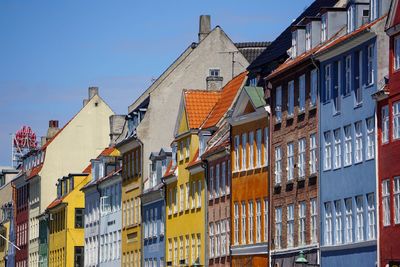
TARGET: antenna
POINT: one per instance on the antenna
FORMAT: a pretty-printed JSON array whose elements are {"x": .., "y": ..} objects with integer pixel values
[{"x": 233, "y": 60}]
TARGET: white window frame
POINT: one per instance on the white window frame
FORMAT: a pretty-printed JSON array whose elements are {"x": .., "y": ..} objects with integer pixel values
[
  {"x": 244, "y": 151},
  {"x": 251, "y": 221},
  {"x": 314, "y": 87},
  {"x": 290, "y": 103},
  {"x": 360, "y": 218},
  {"x": 396, "y": 59},
  {"x": 278, "y": 104},
  {"x": 349, "y": 220},
  {"x": 236, "y": 223},
  {"x": 371, "y": 216},
  {"x": 290, "y": 225},
  {"x": 308, "y": 36},
  {"x": 370, "y": 65},
  {"x": 278, "y": 228},
  {"x": 348, "y": 146},
  {"x": 338, "y": 222},
  {"x": 385, "y": 123},
  {"x": 223, "y": 178},
  {"x": 243, "y": 227},
  {"x": 396, "y": 120},
  {"x": 386, "y": 202},
  {"x": 266, "y": 146},
  {"x": 278, "y": 165},
  {"x": 324, "y": 28},
  {"x": 314, "y": 220},
  {"x": 328, "y": 223},
  {"x": 237, "y": 157},
  {"x": 302, "y": 223},
  {"x": 370, "y": 147},
  {"x": 251, "y": 150},
  {"x": 313, "y": 154},
  {"x": 258, "y": 144},
  {"x": 290, "y": 161},
  {"x": 327, "y": 151},
  {"x": 302, "y": 158},
  {"x": 358, "y": 131},
  {"x": 348, "y": 71},
  {"x": 328, "y": 83},
  {"x": 338, "y": 149},
  {"x": 396, "y": 198},
  {"x": 302, "y": 92},
  {"x": 217, "y": 180},
  {"x": 266, "y": 216},
  {"x": 258, "y": 221}
]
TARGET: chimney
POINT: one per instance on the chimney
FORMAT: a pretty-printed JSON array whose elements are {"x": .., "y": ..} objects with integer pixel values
[
  {"x": 214, "y": 82},
  {"x": 43, "y": 140},
  {"x": 53, "y": 129},
  {"x": 93, "y": 91},
  {"x": 204, "y": 26},
  {"x": 116, "y": 127}
]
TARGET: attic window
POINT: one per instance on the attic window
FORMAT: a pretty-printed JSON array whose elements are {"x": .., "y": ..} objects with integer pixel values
[
  {"x": 294, "y": 44},
  {"x": 214, "y": 72},
  {"x": 374, "y": 9},
  {"x": 323, "y": 28},
  {"x": 308, "y": 36},
  {"x": 351, "y": 18}
]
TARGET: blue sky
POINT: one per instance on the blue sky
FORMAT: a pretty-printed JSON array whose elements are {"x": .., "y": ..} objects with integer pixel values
[{"x": 52, "y": 51}]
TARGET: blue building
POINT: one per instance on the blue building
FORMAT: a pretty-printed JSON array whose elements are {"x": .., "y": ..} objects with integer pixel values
[
  {"x": 349, "y": 73},
  {"x": 153, "y": 210}
]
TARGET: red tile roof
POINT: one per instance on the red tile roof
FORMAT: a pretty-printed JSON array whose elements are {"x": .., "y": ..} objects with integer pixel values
[
  {"x": 34, "y": 171},
  {"x": 55, "y": 203},
  {"x": 198, "y": 105},
  {"x": 195, "y": 160},
  {"x": 228, "y": 94},
  {"x": 106, "y": 152},
  {"x": 170, "y": 170}
]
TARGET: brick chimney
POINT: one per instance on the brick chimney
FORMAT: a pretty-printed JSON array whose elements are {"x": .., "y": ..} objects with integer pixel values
[
  {"x": 116, "y": 127},
  {"x": 53, "y": 129},
  {"x": 204, "y": 26}
]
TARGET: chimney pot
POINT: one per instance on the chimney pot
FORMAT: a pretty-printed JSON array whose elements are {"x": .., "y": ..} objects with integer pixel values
[
  {"x": 204, "y": 26},
  {"x": 93, "y": 91}
]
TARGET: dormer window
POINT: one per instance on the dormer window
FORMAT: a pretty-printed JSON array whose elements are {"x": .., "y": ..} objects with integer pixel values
[
  {"x": 324, "y": 33},
  {"x": 59, "y": 190},
  {"x": 351, "y": 18},
  {"x": 203, "y": 142},
  {"x": 294, "y": 44},
  {"x": 308, "y": 36},
  {"x": 214, "y": 72}
]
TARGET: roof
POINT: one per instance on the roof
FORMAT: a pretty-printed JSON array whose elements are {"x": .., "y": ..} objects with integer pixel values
[
  {"x": 392, "y": 20},
  {"x": 251, "y": 50},
  {"x": 56, "y": 202},
  {"x": 170, "y": 170},
  {"x": 195, "y": 160},
  {"x": 228, "y": 94},
  {"x": 222, "y": 143},
  {"x": 106, "y": 152},
  {"x": 198, "y": 104},
  {"x": 283, "y": 42},
  {"x": 34, "y": 171},
  {"x": 256, "y": 95}
]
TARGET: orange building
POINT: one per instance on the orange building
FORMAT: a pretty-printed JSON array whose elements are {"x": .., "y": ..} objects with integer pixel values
[{"x": 250, "y": 179}]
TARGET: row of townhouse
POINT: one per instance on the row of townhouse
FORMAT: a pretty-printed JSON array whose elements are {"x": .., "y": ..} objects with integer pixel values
[{"x": 292, "y": 161}]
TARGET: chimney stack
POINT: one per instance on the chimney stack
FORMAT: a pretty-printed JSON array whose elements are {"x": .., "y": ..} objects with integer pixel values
[
  {"x": 116, "y": 127},
  {"x": 204, "y": 26},
  {"x": 53, "y": 129},
  {"x": 93, "y": 91},
  {"x": 214, "y": 82},
  {"x": 43, "y": 140}
]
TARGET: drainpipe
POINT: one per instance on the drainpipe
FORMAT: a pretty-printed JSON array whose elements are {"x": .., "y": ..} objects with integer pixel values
[
  {"x": 313, "y": 61},
  {"x": 204, "y": 164}
]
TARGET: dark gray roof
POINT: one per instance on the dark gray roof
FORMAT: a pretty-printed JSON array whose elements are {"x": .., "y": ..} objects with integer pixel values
[
  {"x": 277, "y": 49},
  {"x": 251, "y": 50}
]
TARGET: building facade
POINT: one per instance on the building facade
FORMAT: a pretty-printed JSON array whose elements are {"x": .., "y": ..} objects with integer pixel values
[
  {"x": 250, "y": 179},
  {"x": 350, "y": 68},
  {"x": 388, "y": 149},
  {"x": 153, "y": 210}
]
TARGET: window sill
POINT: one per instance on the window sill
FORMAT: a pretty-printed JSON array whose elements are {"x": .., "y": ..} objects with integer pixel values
[
  {"x": 277, "y": 122},
  {"x": 312, "y": 107},
  {"x": 326, "y": 102},
  {"x": 329, "y": 169},
  {"x": 358, "y": 162},
  {"x": 369, "y": 159},
  {"x": 336, "y": 113},
  {"x": 358, "y": 105},
  {"x": 337, "y": 168},
  {"x": 347, "y": 165},
  {"x": 367, "y": 86},
  {"x": 301, "y": 112}
]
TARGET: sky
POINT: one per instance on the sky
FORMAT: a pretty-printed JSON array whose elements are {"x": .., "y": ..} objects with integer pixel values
[{"x": 52, "y": 51}]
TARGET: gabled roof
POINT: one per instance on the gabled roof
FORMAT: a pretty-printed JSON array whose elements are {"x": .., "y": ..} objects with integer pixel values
[
  {"x": 228, "y": 95},
  {"x": 256, "y": 95},
  {"x": 198, "y": 104},
  {"x": 277, "y": 49},
  {"x": 170, "y": 170},
  {"x": 251, "y": 50}
]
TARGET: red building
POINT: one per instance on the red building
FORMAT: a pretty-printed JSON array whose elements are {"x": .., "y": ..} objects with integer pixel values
[
  {"x": 388, "y": 114},
  {"x": 21, "y": 196}
]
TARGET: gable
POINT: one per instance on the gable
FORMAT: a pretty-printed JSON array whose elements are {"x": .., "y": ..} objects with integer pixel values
[
  {"x": 248, "y": 109},
  {"x": 183, "y": 123},
  {"x": 394, "y": 15}
]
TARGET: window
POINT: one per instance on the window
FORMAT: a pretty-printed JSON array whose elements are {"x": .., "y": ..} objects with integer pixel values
[
  {"x": 338, "y": 149},
  {"x": 374, "y": 9},
  {"x": 359, "y": 142},
  {"x": 187, "y": 150},
  {"x": 258, "y": 140},
  {"x": 327, "y": 82},
  {"x": 386, "y": 202},
  {"x": 290, "y": 161},
  {"x": 223, "y": 178},
  {"x": 193, "y": 194},
  {"x": 302, "y": 223},
  {"x": 323, "y": 28},
  {"x": 217, "y": 239},
  {"x": 313, "y": 154},
  {"x": 327, "y": 151},
  {"x": 337, "y": 86},
  {"x": 358, "y": 89},
  {"x": 175, "y": 200},
  {"x": 349, "y": 220},
  {"x": 169, "y": 249},
  {"x": 258, "y": 221},
  {"x": 266, "y": 213},
  {"x": 193, "y": 252},
  {"x": 385, "y": 123},
  {"x": 181, "y": 196},
  {"x": 348, "y": 153},
  {"x": 371, "y": 216},
  {"x": 360, "y": 218},
  {"x": 187, "y": 196},
  {"x": 347, "y": 85},
  {"x": 396, "y": 197},
  {"x": 236, "y": 224},
  {"x": 370, "y": 76},
  {"x": 251, "y": 221},
  {"x": 308, "y": 36},
  {"x": 243, "y": 226},
  {"x": 251, "y": 150},
  {"x": 199, "y": 194},
  {"x": 223, "y": 237},
  {"x": 214, "y": 72},
  {"x": 198, "y": 247},
  {"x": 396, "y": 62},
  {"x": 314, "y": 86},
  {"x": 186, "y": 250},
  {"x": 278, "y": 107},
  {"x": 370, "y": 138},
  {"x": 278, "y": 228},
  {"x": 79, "y": 218},
  {"x": 278, "y": 165},
  {"x": 290, "y": 98},
  {"x": 266, "y": 145},
  {"x": 328, "y": 223},
  {"x": 181, "y": 256},
  {"x": 237, "y": 140},
  {"x": 228, "y": 184},
  {"x": 244, "y": 151},
  {"x": 294, "y": 44},
  {"x": 217, "y": 179},
  {"x": 396, "y": 120},
  {"x": 302, "y": 92},
  {"x": 338, "y": 222},
  {"x": 302, "y": 158},
  {"x": 290, "y": 225},
  {"x": 170, "y": 202},
  {"x": 79, "y": 257},
  {"x": 313, "y": 223},
  {"x": 175, "y": 251},
  {"x": 181, "y": 151},
  {"x": 351, "y": 18}
]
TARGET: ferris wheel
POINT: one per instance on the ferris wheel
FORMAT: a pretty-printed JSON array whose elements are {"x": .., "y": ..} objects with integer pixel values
[{"x": 23, "y": 141}]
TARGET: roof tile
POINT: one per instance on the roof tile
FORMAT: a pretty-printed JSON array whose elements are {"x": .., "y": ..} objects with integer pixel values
[{"x": 198, "y": 105}]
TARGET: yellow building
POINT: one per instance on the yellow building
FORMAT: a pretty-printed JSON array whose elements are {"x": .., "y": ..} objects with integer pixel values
[
  {"x": 185, "y": 179},
  {"x": 131, "y": 152},
  {"x": 4, "y": 231},
  {"x": 66, "y": 222}
]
